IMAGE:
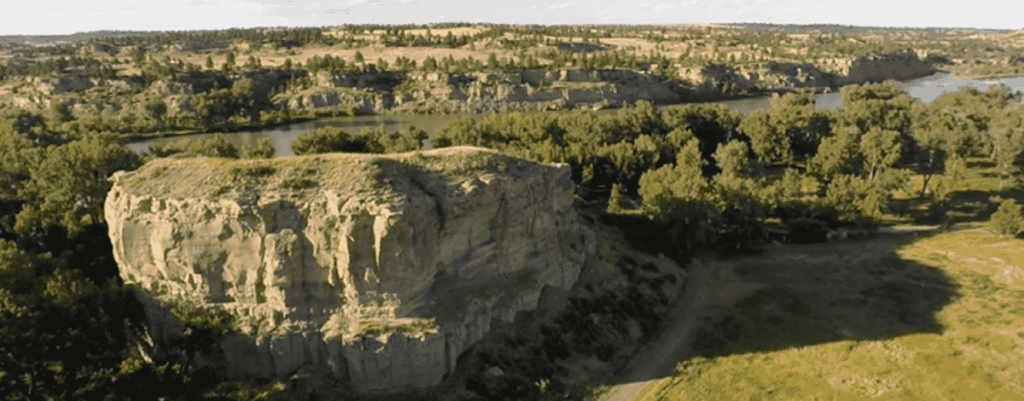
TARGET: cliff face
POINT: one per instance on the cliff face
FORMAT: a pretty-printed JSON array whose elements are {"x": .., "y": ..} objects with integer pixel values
[
  {"x": 902, "y": 65},
  {"x": 379, "y": 92},
  {"x": 380, "y": 269}
]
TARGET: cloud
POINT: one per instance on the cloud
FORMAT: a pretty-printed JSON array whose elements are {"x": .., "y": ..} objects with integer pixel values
[
  {"x": 663, "y": 6},
  {"x": 642, "y": 5},
  {"x": 557, "y": 6}
]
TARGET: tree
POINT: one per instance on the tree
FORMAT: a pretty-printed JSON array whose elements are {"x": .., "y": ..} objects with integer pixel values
[
  {"x": 230, "y": 60},
  {"x": 358, "y": 57},
  {"x": 880, "y": 149},
  {"x": 731, "y": 157},
  {"x": 492, "y": 61},
  {"x": 1008, "y": 220},
  {"x": 326, "y": 140},
  {"x": 261, "y": 149},
  {"x": 837, "y": 154},
  {"x": 881, "y": 105},
  {"x": 683, "y": 182},
  {"x": 855, "y": 197},
  {"x": 769, "y": 144},
  {"x": 804, "y": 124},
  {"x": 615, "y": 200},
  {"x": 70, "y": 184},
  {"x": 157, "y": 110},
  {"x": 209, "y": 63}
]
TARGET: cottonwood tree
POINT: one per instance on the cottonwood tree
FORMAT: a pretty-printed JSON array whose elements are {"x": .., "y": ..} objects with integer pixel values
[
  {"x": 69, "y": 185},
  {"x": 804, "y": 124},
  {"x": 880, "y": 150},
  {"x": 769, "y": 144},
  {"x": 837, "y": 154}
]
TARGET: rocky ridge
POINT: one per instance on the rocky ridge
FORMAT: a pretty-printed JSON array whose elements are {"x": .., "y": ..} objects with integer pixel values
[{"x": 378, "y": 269}]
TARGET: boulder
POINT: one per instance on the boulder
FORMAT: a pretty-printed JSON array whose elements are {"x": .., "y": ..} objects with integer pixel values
[{"x": 379, "y": 269}]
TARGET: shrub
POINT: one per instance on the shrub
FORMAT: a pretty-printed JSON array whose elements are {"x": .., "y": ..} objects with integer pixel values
[
  {"x": 806, "y": 230},
  {"x": 253, "y": 171},
  {"x": 326, "y": 140},
  {"x": 262, "y": 149},
  {"x": 1008, "y": 219},
  {"x": 214, "y": 146}
]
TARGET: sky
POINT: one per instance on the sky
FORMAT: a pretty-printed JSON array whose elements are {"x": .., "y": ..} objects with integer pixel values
[{"x": 46, "y": 17}]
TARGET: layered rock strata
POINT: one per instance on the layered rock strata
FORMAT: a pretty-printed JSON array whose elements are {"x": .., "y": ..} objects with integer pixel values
[{"x": 381, "y": 269}]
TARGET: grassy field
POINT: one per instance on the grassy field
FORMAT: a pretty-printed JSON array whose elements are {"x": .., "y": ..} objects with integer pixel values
[{"x": 934, "y": 316}]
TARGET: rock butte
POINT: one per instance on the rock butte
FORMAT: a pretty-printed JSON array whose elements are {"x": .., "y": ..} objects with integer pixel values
[{"x": 381, "y": 269}]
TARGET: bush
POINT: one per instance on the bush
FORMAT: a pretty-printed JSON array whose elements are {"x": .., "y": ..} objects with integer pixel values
[
  {"x": 214, "y": 146},
  {"x": 1008, "y": 220},
  {"x": 326, "y": 140},
  {"x": 806, "y": 230},
  {"x": 262, "y": 149}
]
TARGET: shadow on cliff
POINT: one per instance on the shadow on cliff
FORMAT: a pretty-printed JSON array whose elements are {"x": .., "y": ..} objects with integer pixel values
[{"x": 804, "y": 295}]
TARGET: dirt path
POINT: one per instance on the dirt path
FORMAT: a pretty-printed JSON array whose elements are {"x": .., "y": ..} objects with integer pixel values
[{"x": 658, "y": 358}]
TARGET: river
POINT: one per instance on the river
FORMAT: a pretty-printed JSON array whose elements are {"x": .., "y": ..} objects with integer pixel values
[{"x": 925, "y": 89}]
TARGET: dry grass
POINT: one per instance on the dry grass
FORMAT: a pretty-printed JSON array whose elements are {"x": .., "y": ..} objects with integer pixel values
[{"x": 347, "y": 173}]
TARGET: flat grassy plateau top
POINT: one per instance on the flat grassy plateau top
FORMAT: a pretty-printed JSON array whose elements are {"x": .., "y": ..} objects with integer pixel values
[{"x": 343, "y": 173}]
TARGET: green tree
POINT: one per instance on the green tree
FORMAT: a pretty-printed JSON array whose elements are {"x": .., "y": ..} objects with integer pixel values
[
  {"x": 429, "y": 64},
  {"x": 837, "y": 154},
  {"x": 731, "y": 157},
  {"x": 1008, "y": 220},
  {"x": 683, "y": 182},
  {"x": 769, "y": 144},
  {"x": 209, "y": 63},
  {"x": 358, "y": 57},
  {"x": 212, "y": 146},
  {"x": 326, "y": 140},
  {"x": 880, "y": 150},
  {"x": 881, "y": 105},
  {"x": 260, "y": 149},
  {"x": 804, "y": 124},
  {"x": 69, "y": 185},
  {"x": 492, "y": 61},
  {"x": 615, "y": 201}
]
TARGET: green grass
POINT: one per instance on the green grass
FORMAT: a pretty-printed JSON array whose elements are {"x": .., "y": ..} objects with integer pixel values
[{"x": 939, "y": 318}]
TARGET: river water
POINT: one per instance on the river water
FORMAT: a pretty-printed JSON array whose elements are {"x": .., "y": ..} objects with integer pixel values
[{"x": 925, "y": 89}]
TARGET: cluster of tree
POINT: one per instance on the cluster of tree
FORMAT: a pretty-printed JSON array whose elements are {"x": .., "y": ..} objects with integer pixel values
[
  {"x": 806, "y": 166},
  {"x": 367, "y": 140},
  {"x": 92, "y": 68},
  {"x": 196, "y": 40},
  {"x": 68, "y": 328}
]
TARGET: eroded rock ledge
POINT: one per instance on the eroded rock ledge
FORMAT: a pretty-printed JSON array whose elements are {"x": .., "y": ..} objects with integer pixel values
[{"x": 379, "y": 268}]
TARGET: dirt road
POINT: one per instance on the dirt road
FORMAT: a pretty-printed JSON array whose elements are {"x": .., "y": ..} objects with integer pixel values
[{"x": 658, "y": 359}]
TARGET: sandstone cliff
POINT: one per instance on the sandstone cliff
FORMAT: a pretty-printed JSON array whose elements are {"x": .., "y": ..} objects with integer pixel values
[
  {"x": 898, "y": 66},
  {"x": 381, "y": 269},
  {"x": 440, "y": 92}
]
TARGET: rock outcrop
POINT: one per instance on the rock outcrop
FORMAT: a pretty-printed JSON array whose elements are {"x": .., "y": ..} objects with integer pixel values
[
  {"x": 793, "y": 75},
  {"x": 441, "y": 92},
  {"x": 898, "y": 66},
  {"x": 381, "y": 269}
]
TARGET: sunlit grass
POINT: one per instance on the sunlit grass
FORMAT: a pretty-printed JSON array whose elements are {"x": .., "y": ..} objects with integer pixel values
[{"x": 976, "y": 354}]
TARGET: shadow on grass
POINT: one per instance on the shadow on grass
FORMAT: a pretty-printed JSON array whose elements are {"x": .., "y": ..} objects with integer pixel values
[
  {"x": 814, "y": 294},
  {"x": 962, "y": 206}
]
